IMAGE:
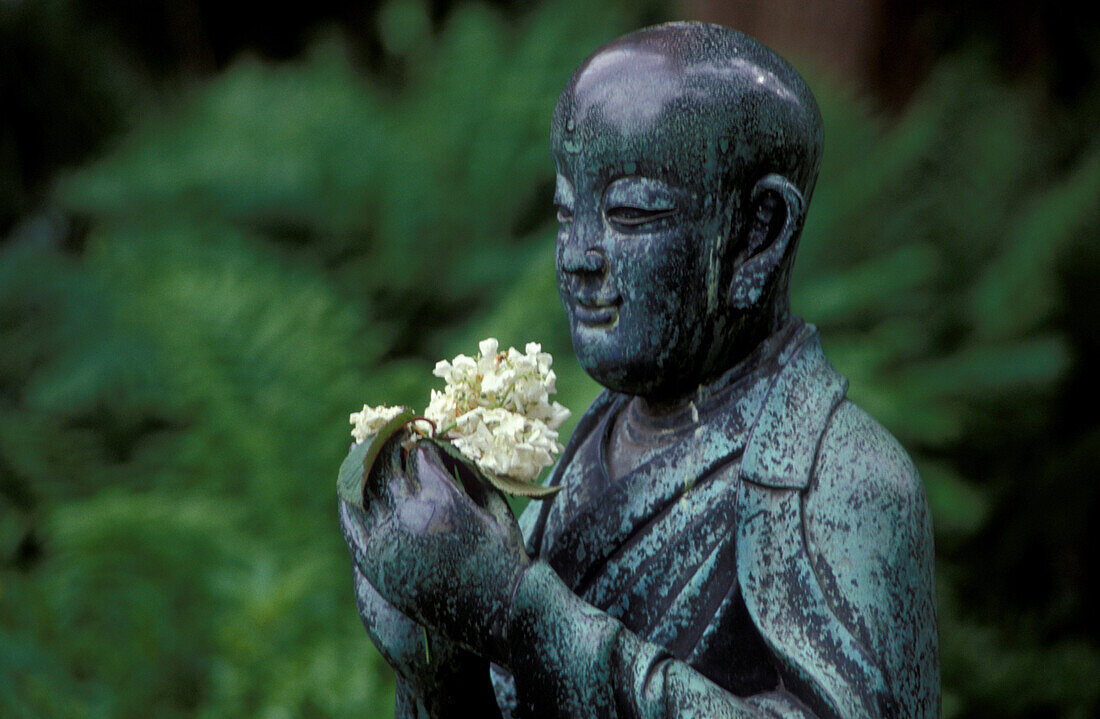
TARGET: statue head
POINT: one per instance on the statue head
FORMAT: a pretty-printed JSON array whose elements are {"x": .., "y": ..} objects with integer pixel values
[{"x": 686, "y": 155}]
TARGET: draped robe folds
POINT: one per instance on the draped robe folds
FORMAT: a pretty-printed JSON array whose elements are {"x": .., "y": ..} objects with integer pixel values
[
  {"x": 655, "y": 553},
  {"x": 656, "y": 547}
]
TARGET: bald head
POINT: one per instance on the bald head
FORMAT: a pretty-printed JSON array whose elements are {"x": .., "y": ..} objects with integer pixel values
[{"x": 693, "y": 97}]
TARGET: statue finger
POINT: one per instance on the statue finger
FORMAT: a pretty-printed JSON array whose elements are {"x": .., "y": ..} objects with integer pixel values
[
  {"x": 390, "y": 463},
  {"x": 432, "y": 475},
  {"x": 353, "y": 529},
  {"x": 398, "y": 638},
  {"x": 429, "y": 464},
  {"x": 359, "y": 528},
  {"x": 474, "y": 494}
]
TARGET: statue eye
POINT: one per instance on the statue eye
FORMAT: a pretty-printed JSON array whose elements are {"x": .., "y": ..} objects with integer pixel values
[
  {"x": 629, "y": 216},
  {"x": 565, "y": 214}
]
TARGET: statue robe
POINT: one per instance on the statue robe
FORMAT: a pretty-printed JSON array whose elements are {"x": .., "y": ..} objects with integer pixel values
[{"x": 748, "y": 563}]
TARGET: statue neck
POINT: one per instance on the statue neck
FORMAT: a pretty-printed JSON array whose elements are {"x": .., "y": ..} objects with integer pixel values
[
  {"x": 764, "y": 359},
  {"x": 643, "y": 428}
]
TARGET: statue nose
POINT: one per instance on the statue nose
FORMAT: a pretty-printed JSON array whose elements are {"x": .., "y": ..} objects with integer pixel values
[{"x": 592, "y": 261}]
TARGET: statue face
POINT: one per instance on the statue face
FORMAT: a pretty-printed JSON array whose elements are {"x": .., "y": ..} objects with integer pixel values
[
  {"x": 685, "y": 154},
  {"x": 632, "y": 279},
  {"x": 641, "y": 226}
]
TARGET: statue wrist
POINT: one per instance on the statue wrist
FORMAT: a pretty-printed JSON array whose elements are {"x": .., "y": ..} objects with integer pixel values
[{"x": 556, "y": 638}]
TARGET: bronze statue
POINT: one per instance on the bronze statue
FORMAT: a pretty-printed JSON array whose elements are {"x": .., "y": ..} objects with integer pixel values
[{"x": 733, "y": 537}]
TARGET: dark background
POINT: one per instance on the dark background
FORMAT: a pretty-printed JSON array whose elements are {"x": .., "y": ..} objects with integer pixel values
[{"x": 225, "y": 226}]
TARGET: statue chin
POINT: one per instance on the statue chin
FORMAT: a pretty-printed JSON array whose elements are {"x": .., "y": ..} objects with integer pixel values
[
  {"x": 610, "y": 370},
  {"x": 625, "y": 374}
]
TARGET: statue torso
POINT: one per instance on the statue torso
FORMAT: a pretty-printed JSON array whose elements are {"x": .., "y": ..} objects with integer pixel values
[
  {"x": 780, "y": 532},
  {"x": 645, "y": 527}
]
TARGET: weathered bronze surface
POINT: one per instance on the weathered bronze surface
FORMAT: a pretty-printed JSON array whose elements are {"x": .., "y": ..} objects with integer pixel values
[{"x": 734, "y": 538}]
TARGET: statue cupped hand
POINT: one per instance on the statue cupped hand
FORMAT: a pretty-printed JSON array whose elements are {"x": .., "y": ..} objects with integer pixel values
[
  {"x": 446, "y": 558},
  {"x": 428, "y": 666}
]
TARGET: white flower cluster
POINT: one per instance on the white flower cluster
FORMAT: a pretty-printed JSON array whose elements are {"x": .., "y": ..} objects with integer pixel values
[
  {"x": 496, "y": 409},
  {"x": 369, "y": 420}
]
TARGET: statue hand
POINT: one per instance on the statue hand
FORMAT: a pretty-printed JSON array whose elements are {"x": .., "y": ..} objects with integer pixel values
[
  {"x": 434, "y": 553},
  {"x": 437, "y": 673}
]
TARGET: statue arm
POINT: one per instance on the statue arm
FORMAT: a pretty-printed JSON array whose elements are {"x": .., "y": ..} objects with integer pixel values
[
  {"x": 868, "y": 536},
  {"x": 571, "y": 659},
  {"x": 838, "y": 576}
]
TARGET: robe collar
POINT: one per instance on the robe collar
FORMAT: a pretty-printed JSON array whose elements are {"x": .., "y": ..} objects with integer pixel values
[{"x": 594, "y": 516}]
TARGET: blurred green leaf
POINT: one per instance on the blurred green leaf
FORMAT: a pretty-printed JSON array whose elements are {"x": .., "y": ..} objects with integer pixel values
[{"x": 292, "y": 239}]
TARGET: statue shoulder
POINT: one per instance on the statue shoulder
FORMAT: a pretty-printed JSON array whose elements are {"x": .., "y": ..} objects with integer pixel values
[{"x": 863, "y": 478}]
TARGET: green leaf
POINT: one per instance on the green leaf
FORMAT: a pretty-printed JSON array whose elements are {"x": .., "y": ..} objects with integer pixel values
[
  {"x": 519, "y": 488},
  {"x": 357, "y": 465},
  {"x": 349, "y": 485},
  {"x": 508, "y": 485}
]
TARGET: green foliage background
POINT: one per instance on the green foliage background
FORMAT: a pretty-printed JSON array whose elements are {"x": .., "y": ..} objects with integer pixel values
[{"x": 187, "y": 322}]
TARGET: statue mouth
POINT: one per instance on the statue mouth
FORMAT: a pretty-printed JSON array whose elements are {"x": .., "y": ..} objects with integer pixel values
[{"x": 597, "y": 313}]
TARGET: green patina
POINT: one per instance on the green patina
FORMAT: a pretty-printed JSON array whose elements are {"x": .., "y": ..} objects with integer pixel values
[{"x": 732, "y": 536}]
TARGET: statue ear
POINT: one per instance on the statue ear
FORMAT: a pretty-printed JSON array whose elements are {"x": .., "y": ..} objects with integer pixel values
[{"x": 778, "y": 213}]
